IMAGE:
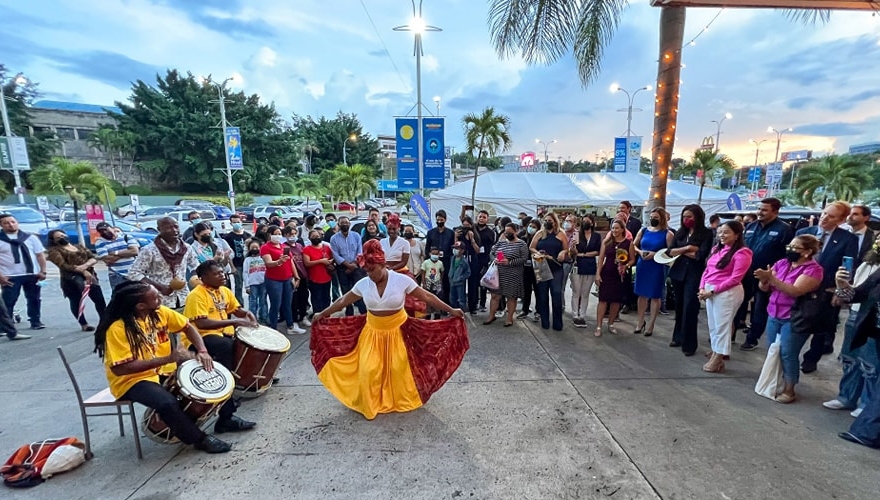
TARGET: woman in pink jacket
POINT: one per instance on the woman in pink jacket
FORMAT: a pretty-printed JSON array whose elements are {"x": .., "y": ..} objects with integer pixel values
[{"x": 721, "y": 288}]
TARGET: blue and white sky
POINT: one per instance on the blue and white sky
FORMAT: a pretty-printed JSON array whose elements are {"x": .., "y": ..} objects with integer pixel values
[{"x": 318, "y": 57}]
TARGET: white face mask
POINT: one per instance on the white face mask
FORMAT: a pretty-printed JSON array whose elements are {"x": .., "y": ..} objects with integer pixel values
[
  {"x": 276, "y": 238},
  {"x": 566, "y": 225}
]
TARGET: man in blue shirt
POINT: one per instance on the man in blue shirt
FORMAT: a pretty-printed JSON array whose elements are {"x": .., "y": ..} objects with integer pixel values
[
  {"x": 117, "y": 251},
  {"x": 767, "y": 238},
  {"x": 346, "y": 247}
]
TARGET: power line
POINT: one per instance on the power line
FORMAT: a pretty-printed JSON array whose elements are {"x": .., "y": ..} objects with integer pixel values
[
  {"x": 705, "y": 29},
  {"x": 385, "y": 48}
]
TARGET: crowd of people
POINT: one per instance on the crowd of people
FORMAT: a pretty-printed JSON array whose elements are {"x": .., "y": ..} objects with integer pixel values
[{"x": 759, "y": 276}]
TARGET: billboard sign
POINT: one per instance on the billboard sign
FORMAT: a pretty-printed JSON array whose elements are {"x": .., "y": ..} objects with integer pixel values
[
  {"x": 407, "y": 152},
  {"x": 620, "y": 154},
  {"x": 233, "y": 148},
  {"x": 796, "y": 155},
  {"x": 527, "y": 160},
  {"x": 434, "y": 153}
]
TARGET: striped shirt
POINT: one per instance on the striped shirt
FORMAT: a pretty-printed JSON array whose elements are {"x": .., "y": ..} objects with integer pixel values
[{"x": 120, "y": 244}]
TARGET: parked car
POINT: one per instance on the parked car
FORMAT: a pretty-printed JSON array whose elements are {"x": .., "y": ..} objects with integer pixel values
[
  {"x": 143, "y": 238},
  {"x": 347, "y": 205},
  {"x": 220, "y": 212},
  {"x": 263, "y": 212},
  {"x": 29, "y": 220},
  {"x": 182, "y": 218},
  {"x": 158, "y": 211},
  {"x": 246, "y": 213},
  {"x": 312, "y": 206},
  {"x": 52, "y": 213},
  {"x": 67, "y": 215},
  {"x": 130, "y": 210}
]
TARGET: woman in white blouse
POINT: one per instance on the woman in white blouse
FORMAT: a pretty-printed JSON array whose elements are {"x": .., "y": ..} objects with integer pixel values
[
  {"x": 396, "y": 248},
  {"x": 416, "y": 250}
]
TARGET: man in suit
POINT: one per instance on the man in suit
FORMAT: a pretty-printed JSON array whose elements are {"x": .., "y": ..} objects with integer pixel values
[
  {"x": 858, "y": 222},
  {"x": 836, "y": 243},
  {"x": 633, "y": 224}
]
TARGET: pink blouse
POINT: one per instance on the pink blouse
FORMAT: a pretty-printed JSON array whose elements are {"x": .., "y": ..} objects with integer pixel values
[{"x": 732, "y": 275}]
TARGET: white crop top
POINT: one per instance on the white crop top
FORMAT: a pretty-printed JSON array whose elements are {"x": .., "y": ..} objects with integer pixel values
[
  {"x": 394, "y": 253},
  {"x": 396, "y": 290}
]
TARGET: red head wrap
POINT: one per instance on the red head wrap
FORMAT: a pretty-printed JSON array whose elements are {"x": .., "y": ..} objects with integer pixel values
[
  {"x": 393, "y": 221},
  {"x": 373, "y": 254}
]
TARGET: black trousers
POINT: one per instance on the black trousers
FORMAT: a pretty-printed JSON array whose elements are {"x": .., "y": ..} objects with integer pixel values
[
  {"x": 346, "y": 282},
  {"x": 73, "y": 288},
  {"x": 474, "y": 289},
  {"x": 824, "y": 341},
  {"x": 301, "y": 301},
  {"x": 220, "y": 347},
  {"x": 153, "y": 395},
  {"x": 687, "y": 312},
  {"x": 529, "y": 284}
]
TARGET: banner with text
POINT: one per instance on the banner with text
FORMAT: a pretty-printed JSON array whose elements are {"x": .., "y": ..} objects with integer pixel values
[
  {"x": 233, "y": 148},
  {"x": 620, "y": 154},
  {"x": 634, "y": 153},
  {"x": 433, "y": 153},
  {"x": 407, "y": 153}
]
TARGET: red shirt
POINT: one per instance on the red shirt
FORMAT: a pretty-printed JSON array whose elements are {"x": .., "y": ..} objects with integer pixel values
[
  {"x": 277, "y": 273},
  {"x": 318, "y": 274}
]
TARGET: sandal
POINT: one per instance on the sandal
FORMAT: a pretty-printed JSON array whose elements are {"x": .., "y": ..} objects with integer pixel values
[
  {"x": 508, "y": 324},
  {"x": 598, "y": 332},
  {"x": 490, "y": 321},
  {"x": 640, "y": 330},
  {"x": 612, "y": 329}
]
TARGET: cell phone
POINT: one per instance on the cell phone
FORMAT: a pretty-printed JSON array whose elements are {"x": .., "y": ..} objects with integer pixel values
[{"x": 848, "y": 264}]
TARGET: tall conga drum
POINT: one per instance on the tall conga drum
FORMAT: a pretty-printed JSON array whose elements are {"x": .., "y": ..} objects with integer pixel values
[
  {"x": 200, "y": 393},
  {"x": 258, "y": 353}
]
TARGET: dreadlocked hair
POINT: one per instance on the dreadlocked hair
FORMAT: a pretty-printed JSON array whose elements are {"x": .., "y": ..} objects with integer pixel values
[{"x": 122, "y": 304}]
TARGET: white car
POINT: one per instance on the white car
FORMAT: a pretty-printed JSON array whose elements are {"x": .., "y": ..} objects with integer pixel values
[
  {"x": 182, "y": 218},
  {"x": 29, "y": 220},
  {"x": 264, "y": 212},
  {"x": 313, "y": 206}
]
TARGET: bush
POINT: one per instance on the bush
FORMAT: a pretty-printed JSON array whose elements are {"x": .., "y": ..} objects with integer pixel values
[
  {"x": 269, "y": 186},
  {"x": 116, "y": 186},
  {"x": 287, "y": 185},
  {"x": 138, "y": 190},
  {"x": 284, "y": 201}
]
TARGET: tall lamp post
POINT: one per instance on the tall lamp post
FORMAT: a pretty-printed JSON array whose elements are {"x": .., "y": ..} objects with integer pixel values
[
  {"x": 352, "y": 138},
  {"x": 629, "y": 109},
  {"x": 757, "y": 152},
  {"x": 539, "y": 141},
  {"x": 437, "y": 102},
  {"x": 727, "y": 116},
  {"x": 778, "y": 137},
  {"x": 7, "y": 129},
  {"x": 417, "y": 26},
  {"x": 221, "y": 88}
]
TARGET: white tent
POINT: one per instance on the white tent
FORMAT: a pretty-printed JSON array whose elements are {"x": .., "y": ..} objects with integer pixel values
[{"x": 509, "y": 193}]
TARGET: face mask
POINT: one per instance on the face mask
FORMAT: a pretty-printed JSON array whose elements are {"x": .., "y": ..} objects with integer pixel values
[
  {"x": 344, "y": 227},
  {"x": 196, "y": 221},
  {"x": 236, "y": 226},
  {"x": 587, "y": 226},
  {"x": 531, "y": 229},
  {"x": 441, "y": 224},
  {"x": 63, "y": 241},
  {"x": 548, "y": 226},
  {"x": 275, "y": 238},
  {"x": 254, "y": 252},
  {"x": 331, "y": 223},
  {"x": 315, "y": 241},
  {"x": 792, "y": 256},
  {"x": 566, "y": 225},
  {"x": 655, "y": 222},
  {"x": 509, "y": 236},
  {"x": 688, "y": 223},
  {"x": 291, "y": 239},
  {"x": 435, "y": 258},
  {"x": 205, "y": 238},
  {"x": 408, "y": 235}
]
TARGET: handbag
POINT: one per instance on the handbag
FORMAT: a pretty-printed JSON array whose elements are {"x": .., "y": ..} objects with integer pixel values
[
  {"x": 541, "y": 268},
  {"x": 491, "y": 279},
  {"x": 770, "y": 382},
  {"x": 807, "y": 310}
]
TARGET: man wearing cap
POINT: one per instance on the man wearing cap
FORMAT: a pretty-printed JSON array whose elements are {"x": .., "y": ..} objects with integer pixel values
[{"x": 117, "y": 251}]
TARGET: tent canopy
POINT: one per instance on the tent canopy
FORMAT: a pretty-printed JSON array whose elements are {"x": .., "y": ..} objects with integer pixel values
[{"x": 508, "y": 193}]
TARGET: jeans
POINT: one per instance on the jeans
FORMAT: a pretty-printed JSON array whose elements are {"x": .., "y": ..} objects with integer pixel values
[
  {"x": 115, "y": 279},
  {"x": 790, "y": 347},
  {"x": 346, "y": 282},
  {"x": 73, "y": 289},
  {"x": 457, "y": 296},
  {"x": 867, "y": 425},
  {"x": 859, "y": 368},
  {"x": 153, "y": 395},
  {"x": 31, "y": 293},
  {"x": 335, "y": 289},
  {"x": 257, "y": 302},
  {"x": 222, "y": 349},
  {"x": 237, "y": 278},
  {"x": 547, "y": 292},
  {"x": 7, "y": 325},
  {"x": 320, "y": 293},
  {"x": 280, "y": 295}
]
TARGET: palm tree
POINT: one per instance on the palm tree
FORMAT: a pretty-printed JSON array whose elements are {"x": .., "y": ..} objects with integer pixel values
[
  {"x": 543, "y": 31},
  {"x": 485, "y": 133},
  {"x": 80, "y": 180},
  {"x": 354, "y": 181},
  {"x": 711, "y": 164},
  {"x": 114, "y": 143},
  {"x": 309, "y": 185},
  {"x": 843, "y": 175}
]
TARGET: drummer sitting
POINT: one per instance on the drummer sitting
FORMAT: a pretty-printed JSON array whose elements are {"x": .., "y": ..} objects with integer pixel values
[
  {"x": 209, "y": 307},
  {"x": 129, "y": 337}
]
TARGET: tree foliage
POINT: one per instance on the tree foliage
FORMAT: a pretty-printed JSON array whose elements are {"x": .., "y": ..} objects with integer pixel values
[
  {"x": 354, "y": 182},
  {"x": 843, "y": 177},
  {"x": 711, "y": 164},
  {"x": 118, "y": 146},
  {"x": 486, "y": 133},
  {"x": 180, "y": 142},
  {"x": 321, "y": 141}
]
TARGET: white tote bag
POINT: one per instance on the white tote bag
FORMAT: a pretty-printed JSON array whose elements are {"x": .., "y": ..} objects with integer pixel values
[
  {"x": 770, "y": 382},
  {"x": 491, "y": 279}
]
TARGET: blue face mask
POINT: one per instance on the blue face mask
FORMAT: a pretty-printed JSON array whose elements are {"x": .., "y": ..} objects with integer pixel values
[
  {"x": 435, "y": 258},
  {"x": 236, "y": 226},
  {"x": 531, "y": 230},
  {"x": 196, "y": 221},
  {"x": 331, "y": 223}
]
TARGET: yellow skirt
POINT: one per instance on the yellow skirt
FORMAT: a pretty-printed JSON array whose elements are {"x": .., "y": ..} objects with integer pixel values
[{"x": 375, "y": 377}]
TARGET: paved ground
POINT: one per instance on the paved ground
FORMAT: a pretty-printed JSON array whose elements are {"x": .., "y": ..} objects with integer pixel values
[{"x": 531, "y": 414}]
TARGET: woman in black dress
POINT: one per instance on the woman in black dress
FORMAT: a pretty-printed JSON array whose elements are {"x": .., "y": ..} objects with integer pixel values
[{"x": 615, "y": 259}]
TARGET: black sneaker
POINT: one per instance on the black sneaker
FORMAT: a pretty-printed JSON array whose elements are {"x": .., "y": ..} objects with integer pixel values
[
  {"x": 674, "y": 344},
  {"x": 748, "y": 346},
  {"x": 210, "y": 444},
  {"x": 234, "y": 424},
  {"x": 37, "y": 326},
  {"x": 808, "y": 366},
  {"x": 523, "y": 315}
]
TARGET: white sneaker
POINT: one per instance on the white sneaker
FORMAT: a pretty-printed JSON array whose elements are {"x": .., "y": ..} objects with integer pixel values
[
  {"x": 834, "y": 404},
  {"x": 295, "y": 329},
  {"x": 305, "y": 322},
  {"x": 855, "y": 413}
]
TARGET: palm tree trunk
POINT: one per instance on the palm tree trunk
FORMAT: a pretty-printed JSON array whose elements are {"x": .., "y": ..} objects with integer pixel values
[
  {"x": 476, "y": 171},
  {"x": 666, "y": 105},
  {"x": 79, "y": 229},
  {"x": 702, "y": 185}
]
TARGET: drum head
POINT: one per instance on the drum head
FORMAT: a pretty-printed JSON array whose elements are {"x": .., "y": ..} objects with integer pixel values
[
  {"x": 263, "y": 338},
  {"x": 197, "y": 383}
]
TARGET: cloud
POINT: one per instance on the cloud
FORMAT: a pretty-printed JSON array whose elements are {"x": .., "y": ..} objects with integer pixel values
[
  {"x": 263, "y": 57},
  {"x": 831, "y": 129},
  {"x": 800, "y": 102},
  {"x": 109, "y": 67}
]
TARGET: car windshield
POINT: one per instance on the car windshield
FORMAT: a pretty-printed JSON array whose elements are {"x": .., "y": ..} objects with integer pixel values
[{"x": 25, "y": 215}]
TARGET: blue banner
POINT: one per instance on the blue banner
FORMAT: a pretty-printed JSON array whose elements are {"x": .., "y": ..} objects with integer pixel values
[
  {"x": 733, "y": 202},
  {"x": 620, "y": 154},
  {"x": 433, "y": 153},
  {"x": 407, "y": 153},
  {"x": 420, "y": 206},
  {"x": 233, "y": 148}
]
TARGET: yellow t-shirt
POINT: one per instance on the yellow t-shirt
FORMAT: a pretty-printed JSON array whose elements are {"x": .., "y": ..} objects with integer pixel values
[
  {"x": 210, "y": 303},
  {"x": 118, "y": 351}
]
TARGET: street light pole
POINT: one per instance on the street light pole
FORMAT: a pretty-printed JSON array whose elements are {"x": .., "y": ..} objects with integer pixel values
[
  {"x": 757, "y": 152},
  {"x": 7, "y": 129},
  {"x": 539, "y": 141},
  {"x": 437, "y": 102},
  {"x": 629, "y": 109},
  {"x": 727, "y": 116},
  {"x": 778, "y": 138},
  {"x": 221, "y": 87},
  {"x": 351, "y": 137}
]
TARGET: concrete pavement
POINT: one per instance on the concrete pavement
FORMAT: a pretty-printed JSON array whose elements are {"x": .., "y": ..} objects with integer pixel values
[{"x": 530, "y": 414}]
